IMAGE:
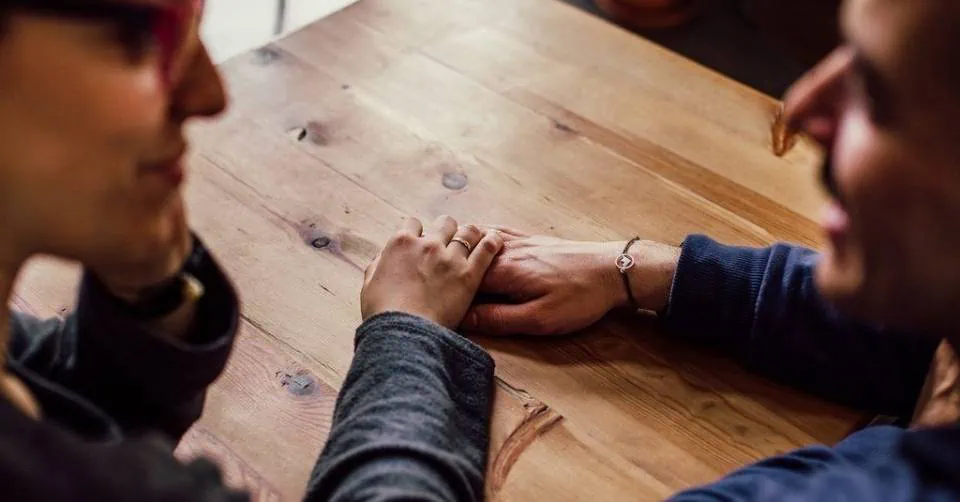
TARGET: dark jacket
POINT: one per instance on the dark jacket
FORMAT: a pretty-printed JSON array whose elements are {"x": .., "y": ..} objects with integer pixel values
[{"x": 115, "y": 399}]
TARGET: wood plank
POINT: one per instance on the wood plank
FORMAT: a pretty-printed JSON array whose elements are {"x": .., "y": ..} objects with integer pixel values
[
  {"x": 267, "y": 317},
  {"x": 634, "y": 127},
  {"x": 362, "y": 115},
  {"x": 527, "y": 436},
  {"x": 266, "y": 418},
  {"x": 47, "y": 287},
  {"x": 497, "y": 137}
]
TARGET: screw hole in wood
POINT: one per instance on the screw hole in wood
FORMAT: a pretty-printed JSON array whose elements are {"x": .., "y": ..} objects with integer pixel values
[{"x": 297, "y": 133}]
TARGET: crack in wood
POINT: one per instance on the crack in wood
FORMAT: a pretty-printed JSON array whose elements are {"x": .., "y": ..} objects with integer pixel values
[
  {"x": 328, "y": 371},
  {"x": 307, "y": 232},
  {"x": 538, "y": 419},
  {"x": 516, "y": 392}
]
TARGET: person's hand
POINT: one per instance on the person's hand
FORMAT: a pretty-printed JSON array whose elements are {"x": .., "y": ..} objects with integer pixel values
[
  {"x": 429, "y": 274},
  {"x": 799, "y": 112},
  {"x": 154, "y": 262},
  {"x": 939, "y": 402},
  {"x": 550, "y": 286}
]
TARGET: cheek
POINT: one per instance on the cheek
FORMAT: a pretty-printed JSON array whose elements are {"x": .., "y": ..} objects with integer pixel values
[
  {"x": 75, "y": 165},
  {"x": 89, "y": 125},
  {"x": 110, "y": 127},
  {"x": 76, "y": 115},
  {"x": 870, "y": 174},
  {"x": 129, "y": 110},
  {"x": 127, "y": 115},
  {"x": 129, "y": 131},
  {"x": 866, "y": 175},
  {"x": 902, "y": 242}
]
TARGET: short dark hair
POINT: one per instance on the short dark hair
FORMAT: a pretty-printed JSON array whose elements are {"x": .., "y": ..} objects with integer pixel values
[{"x": 4, "y": 17}]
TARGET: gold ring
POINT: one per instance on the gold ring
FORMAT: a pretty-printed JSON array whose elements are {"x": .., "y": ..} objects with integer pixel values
[{"x": 463, "y": 242}]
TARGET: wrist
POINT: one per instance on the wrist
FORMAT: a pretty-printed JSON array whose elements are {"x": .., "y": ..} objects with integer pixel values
[
  {"x": 617, "y": 296},
  {"x": 652, "y": 278}
]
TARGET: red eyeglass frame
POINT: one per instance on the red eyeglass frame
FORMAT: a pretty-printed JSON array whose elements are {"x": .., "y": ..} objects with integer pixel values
[
  {"x": 170, "y": 28},
  {"x": 168, "y": 22}
]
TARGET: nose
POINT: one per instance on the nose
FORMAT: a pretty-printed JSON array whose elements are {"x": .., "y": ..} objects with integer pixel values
[
  {"x": 199, "y": 92},
  {"x": 812, "y": 104}
]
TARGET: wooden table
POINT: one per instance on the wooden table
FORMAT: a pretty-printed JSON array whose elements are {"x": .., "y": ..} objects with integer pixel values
[{"x": 526, "y": 113}]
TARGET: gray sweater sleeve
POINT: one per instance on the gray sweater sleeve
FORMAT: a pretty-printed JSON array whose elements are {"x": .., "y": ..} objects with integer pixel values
[{"x": 412, "y": 420}]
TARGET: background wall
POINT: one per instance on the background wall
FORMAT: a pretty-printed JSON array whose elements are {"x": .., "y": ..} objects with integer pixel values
[{"x": 231, "y": 27}]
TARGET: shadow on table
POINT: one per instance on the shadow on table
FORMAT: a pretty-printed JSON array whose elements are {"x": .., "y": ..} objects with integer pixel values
[{"x": 632, "y": 359}]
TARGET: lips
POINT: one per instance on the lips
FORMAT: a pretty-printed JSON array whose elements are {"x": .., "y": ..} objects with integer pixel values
[
  {"x": 834, "y": 218},
  {"x": 170, "y": 170},
  {"x": 836, "y": 225}
]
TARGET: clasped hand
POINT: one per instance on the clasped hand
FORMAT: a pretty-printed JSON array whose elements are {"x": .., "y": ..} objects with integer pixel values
[
  {"x": 533, "y": 285},
  {"x": 433, "y": 273}
]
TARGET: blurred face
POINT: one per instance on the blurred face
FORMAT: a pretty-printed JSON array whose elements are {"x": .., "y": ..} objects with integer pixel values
[
  {"x": 885, "y": 108},
  {"x": 92, "y": 108}
]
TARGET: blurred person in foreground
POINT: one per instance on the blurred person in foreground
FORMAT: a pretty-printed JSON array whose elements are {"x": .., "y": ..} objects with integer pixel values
[
  {"x": 94, "y": 96},
  {"x": 859, "y": 323}
]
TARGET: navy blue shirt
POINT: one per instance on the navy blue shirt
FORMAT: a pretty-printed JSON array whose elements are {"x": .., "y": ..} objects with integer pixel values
[{"x": 761, "y": 306}]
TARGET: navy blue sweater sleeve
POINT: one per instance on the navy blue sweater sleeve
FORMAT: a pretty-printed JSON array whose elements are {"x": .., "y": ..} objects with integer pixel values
[
  {"x": 412, "y": 419},
  {"x": 877, "y": 463},
  {"x": 762, "y": 306}
]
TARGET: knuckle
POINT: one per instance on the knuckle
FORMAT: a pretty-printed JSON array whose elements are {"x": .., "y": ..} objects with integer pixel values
[
  {"x": 443, "y": 267},
  {"x": 433, "y": 247},
  {"x": 490, "y": 245},
  {"x": 471, "y": 230},
  {"x": 403, "y": 240},
  {"x": 467, "y": 275}
]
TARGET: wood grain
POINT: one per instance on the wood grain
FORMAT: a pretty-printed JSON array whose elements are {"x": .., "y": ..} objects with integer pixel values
[
  {"x": 525, "y": 113},
  {"x": 266, "y": 419}
]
